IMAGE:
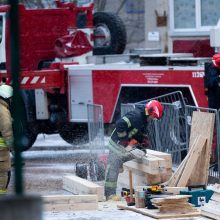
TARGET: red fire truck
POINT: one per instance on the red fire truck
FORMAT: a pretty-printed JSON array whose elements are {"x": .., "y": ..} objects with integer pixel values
[{"x": 58, "y": 82}]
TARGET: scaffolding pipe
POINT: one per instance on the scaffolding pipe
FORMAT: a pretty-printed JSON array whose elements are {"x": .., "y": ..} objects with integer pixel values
[{"x": 16, "y": 100}]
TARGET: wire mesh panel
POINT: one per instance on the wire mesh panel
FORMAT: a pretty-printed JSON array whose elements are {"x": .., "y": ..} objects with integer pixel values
[
  {"x": 173, "y": 97},
  {"x": 125, "y": 108},
  {"x": 95, "y": 128},
  {"x": 169, "y": 133}
]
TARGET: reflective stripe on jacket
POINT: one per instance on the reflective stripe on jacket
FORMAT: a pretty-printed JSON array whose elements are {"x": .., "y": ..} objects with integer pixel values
[
  {"x": 130, "y": 126},
  {"x": 2, "y": 143}
]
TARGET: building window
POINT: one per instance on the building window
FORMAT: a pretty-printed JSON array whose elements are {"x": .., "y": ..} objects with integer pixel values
[
  {"x": 210, "y": 12},
  {"x": 193, "y": 15}
]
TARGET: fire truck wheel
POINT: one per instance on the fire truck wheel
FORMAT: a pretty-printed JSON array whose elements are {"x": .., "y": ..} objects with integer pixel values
[
  {"x": 74, "y": 133},
  {"x": 110, "y": 34},
  {"x": 29, "y": 136}
]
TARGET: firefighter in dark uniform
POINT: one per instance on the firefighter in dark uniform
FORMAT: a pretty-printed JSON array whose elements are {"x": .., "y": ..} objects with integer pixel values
[
  {"x": 129, "y": 130},
  {"x": 212, "y": 90},
  {"x": 212, "y": 82}
]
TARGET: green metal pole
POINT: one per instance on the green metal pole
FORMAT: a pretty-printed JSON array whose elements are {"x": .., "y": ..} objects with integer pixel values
[{"x": 16, "y": 102}]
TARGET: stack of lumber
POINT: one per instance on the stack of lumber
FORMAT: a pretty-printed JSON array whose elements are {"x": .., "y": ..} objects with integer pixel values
[
  {"x": 169, "y": 207},
  {"x": 174, "y": 204},
  {"x": 155, "y": 168},
  {"x": 212, "y": 208},
  {"x": 77, "y": 185},
  {"x": 194, "y": 168}
]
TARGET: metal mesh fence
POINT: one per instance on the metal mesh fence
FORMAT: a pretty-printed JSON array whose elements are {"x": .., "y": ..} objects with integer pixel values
[{"x": 95, "y": 128}]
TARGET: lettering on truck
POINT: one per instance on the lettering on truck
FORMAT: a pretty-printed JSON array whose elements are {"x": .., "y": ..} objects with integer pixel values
[{"x": 198, "y": 74}]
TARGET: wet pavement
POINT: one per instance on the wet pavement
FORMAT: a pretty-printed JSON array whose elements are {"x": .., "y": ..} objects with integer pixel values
[{"x": 45, "y": 164}]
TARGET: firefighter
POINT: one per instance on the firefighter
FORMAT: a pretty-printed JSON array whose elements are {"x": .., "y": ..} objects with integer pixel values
[
  {"x": 212, "y": 82},
  {"x": 6, "y": 136},
  {"x": 212, "y": 90},
  {"x": 129, "y": 130}
]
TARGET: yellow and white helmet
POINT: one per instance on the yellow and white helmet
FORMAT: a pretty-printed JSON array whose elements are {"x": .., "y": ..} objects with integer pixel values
[{"x": 6, "y": 91}]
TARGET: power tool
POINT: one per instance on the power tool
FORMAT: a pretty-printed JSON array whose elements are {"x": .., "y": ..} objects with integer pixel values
[
  {"x": 200, "y": 195},
  {"x": 126, "y": 194},
  {"x": 155, "y": 189}
]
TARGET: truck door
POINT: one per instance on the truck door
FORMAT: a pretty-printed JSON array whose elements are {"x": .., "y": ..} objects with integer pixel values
[
  {"x": 80, "y": 83},
  {"x": 2, "y": 40}
]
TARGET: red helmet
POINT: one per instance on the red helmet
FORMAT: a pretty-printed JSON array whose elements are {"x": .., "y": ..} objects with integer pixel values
[
  {"x": 154, "y": 108},
  {"x": 216, "y": 60}
]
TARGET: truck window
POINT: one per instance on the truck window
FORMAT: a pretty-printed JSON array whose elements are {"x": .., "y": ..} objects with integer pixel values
[{"x": 1, "y": 28}]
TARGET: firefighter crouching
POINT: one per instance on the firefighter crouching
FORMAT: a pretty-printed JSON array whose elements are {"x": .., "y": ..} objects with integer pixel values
[
  {"x": 129, "y": 128},
  {"x": 6, "y": 136}
]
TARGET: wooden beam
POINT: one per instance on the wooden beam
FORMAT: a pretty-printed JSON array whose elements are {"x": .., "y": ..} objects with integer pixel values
[
  {"x": 70, "y": 202},
  {"x": 77, "y": 185},
  {"x": 149, "y": 165},
  {"x": 202, "y": 124},
  {"x": 197, "y": 148}
]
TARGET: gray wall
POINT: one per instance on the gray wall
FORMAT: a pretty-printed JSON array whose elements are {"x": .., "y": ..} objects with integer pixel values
[{"x": 151, "y": 25}]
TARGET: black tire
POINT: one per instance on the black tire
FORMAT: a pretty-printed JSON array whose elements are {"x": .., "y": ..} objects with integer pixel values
[
  {"x": 29, "y": 135},
  {"x": 81, "y": 170},
  {"x": 74, "y": 133},
  {"x": 112, "y": 27},
  {"x": 27, "y": 124}
]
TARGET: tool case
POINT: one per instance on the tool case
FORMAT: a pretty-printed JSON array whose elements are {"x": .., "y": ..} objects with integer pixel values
[{"x": 200, "y": 195}]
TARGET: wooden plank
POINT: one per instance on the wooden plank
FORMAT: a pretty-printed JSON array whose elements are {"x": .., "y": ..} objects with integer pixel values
[
  {"x": 151, "y": 168},
  {"x": 77, "y": 185},
  {"x": 167, "y": 162},
  {"x": 166, "y": 175},
  {"x": 148, "y": 160},
  {"x": 171, "y": 199},
  {"x": 177, "y": 208},
  {"x": 214, "y": 209},
  {"x": 155, "y": 212},
  {"x": 175, "y": 177},
  {"x": 160, "y": 154},
  {"x": 173, "y": 181},
  {"x": 202, "y": 124},
  {"x": 197, "y": 147},
  {"x": 210, "y": 215},
  {"x": 70, "y": 202}
]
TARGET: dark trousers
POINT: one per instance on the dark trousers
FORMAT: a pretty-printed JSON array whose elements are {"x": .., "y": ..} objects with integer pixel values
[{"x": 115, "y": 164}]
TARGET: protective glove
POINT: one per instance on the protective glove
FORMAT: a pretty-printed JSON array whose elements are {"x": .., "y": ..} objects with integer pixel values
[{"x": 137, "y": 153}]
